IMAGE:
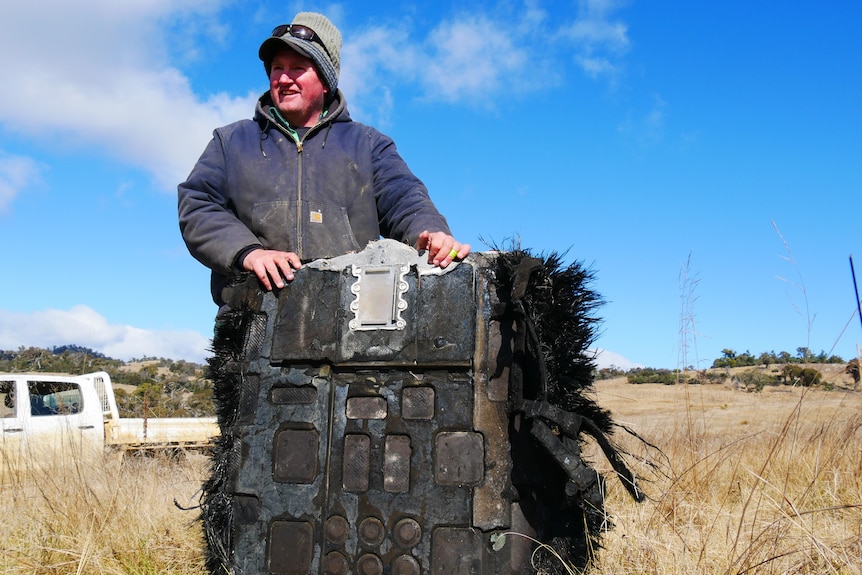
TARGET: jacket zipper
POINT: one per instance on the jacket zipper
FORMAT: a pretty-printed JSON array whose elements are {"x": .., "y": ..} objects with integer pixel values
[
  {"x": 299, "y": 222},
  {"x": 298, "y": 141}
]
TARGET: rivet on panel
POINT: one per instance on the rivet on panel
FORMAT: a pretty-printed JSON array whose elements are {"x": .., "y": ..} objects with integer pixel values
[
  {"x": 337, "y": 529},
  {"x": 405, "y": 565},
  {"x": 335, "y": 564},
  {"x": 407, "y": 532},
  {"x": 369, "y": 565},
  {"x": 371, "y": 531}
]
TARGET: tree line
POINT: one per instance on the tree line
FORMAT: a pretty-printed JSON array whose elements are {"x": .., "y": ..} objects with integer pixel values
[
  {"x": 729, "y": 358},
  {"x": 795, "y": 370},
  {"x": 168, "y": 388},
  {"x": 163, "y": 387}
]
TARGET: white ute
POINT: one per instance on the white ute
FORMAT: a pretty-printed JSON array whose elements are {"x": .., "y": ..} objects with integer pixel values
[{"x": 61, "y": 416}]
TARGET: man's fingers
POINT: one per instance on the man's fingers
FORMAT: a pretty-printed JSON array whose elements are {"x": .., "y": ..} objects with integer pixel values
[{"x": 272, "y": 267}]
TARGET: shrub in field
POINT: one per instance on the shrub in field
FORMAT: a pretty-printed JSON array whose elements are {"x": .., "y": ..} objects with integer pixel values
[
  {"x": 651, "y": 375},
  {"x": 754, "y": 380},
  {"x": 852, "y": 369},
  {"x": 793, "y": 374}
]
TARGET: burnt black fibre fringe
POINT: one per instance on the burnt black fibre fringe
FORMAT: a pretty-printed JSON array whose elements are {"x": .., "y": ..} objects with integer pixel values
[
  {"x": 216, "y": 503},
  {"x": 548, "y": 317}
]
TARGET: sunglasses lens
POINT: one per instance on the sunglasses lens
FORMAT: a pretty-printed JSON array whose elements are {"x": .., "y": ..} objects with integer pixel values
[{"x": 301, "y": 32}]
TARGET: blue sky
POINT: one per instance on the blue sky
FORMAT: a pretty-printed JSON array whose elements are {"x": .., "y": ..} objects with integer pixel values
[{"x": 654, "y": 141}]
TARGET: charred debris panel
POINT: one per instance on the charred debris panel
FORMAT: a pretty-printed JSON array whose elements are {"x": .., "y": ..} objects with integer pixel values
[{"x": 379, "y": 415}]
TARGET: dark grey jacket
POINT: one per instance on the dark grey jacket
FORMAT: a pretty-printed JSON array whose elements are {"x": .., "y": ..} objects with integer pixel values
[{"x": 342, "y": 185}]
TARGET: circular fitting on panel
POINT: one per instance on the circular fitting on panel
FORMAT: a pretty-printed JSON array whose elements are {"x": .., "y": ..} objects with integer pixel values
[
  {"x": 337, "y": 529},
  {"x": 371, "y": 531},
  {"x": 335, "y": 564},
  {"x": 369, "y": 564},
  {"x": 407, "y": 532},
  {"x": 405, "y": 565}
]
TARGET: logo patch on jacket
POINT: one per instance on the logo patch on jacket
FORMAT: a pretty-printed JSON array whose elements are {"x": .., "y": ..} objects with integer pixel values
[{"x": 316, "y": 217}]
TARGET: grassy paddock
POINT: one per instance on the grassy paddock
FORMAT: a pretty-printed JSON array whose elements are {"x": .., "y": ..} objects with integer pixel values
[
  {"x": 761, "y": 483},
  {"x": 103, "y": 517}
]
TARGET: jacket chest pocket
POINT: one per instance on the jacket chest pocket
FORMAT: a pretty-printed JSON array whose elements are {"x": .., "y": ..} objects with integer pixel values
[{"x": 310, "y": 229}]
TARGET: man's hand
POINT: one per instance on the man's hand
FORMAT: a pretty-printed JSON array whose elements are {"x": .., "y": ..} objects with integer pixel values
[
  {"x": 442, "y": 248},
  {"x": 270, "y": 266}
]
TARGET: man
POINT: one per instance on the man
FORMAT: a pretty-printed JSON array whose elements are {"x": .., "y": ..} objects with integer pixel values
[{"x": 302, "y": 180}]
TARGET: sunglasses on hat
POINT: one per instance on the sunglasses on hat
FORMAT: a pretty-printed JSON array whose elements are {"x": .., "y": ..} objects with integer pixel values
[{"x": 301, "y": 32}]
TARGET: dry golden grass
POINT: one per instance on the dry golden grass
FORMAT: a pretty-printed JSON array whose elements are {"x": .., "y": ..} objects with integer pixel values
[
  {"x": 762, "y": 483},
  {"x": 102, "y": 517}
]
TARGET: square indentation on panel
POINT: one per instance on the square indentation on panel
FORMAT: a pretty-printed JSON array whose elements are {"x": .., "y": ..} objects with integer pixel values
[
  {"x": 459, "y": 458},
  {"x": 396, "y": 464},
  {"x": 417, "y": 402},
  {"x": 456, "y": 551},
  {"x": 356, "y": 464},
  {"x": 294, "y": 395},
  {"x": 291, "y": 547},
  {"x": 295, "y": 456},
  {"x": 366, "y": 407}
]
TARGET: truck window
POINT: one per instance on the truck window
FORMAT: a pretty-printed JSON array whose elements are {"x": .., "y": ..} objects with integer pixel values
[
  {"x": 7, "y": 395},
  {"x": 54, "y": 398}
]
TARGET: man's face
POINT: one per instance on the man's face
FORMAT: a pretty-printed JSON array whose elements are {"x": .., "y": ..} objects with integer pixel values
[{"x": 296, "y": 88}]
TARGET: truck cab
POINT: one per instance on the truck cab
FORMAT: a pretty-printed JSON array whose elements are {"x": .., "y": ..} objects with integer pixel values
[{"x": 48, "y": 417}]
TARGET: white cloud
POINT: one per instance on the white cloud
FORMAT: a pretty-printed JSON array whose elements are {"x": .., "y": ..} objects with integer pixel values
[
  {"x": 371, "y": 63},
  {"x": 474, "y": 56},
  {"x": 81, "y": 325},
  {"x": 477, "y": 59},
  {"x": 605, "y": 358},
  {"x": 469, "y": 60},
  {"x": 593, "y": 28},
  {"x": 16, "y": 174},
  {"x": 97, "y": 72},
  {"x": 103, "y": 74}
]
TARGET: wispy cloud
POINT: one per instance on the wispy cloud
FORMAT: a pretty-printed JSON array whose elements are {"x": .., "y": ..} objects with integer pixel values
[
  {"x": 81, "y": 325},
  {"x": 599, "y": 38},
  {"x": 17, "y": 173},
  {"x": 647, "y": 127}
]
